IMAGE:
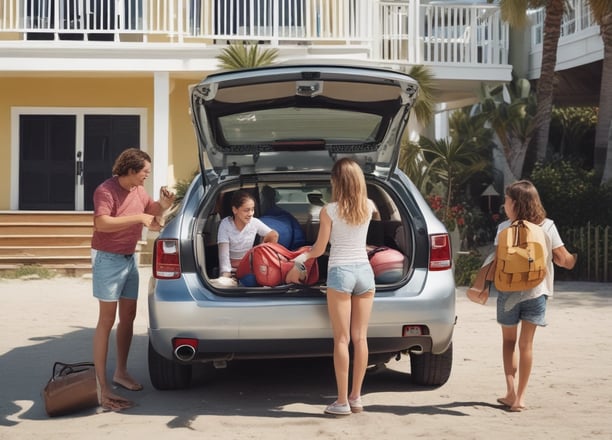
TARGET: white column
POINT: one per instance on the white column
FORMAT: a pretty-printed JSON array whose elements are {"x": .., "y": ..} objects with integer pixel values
[
  {"x": 161, "y": 121},
  {"x": 414, "y": 27}
]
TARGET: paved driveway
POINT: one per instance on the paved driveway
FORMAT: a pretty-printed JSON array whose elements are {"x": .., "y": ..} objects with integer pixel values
[{"x": 569, "y": 395}]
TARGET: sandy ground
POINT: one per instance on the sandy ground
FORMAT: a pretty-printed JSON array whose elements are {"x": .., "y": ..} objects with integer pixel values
[{"x": 570, "y": 394}]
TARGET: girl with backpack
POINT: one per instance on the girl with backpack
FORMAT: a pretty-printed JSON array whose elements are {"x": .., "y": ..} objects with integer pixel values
[{"x": 528, "y": 307}]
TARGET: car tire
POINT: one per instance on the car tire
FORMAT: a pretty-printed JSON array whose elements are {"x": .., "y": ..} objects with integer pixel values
[
  {"x": 166, "y": 374},
  {"x": 431, "y": 369}
]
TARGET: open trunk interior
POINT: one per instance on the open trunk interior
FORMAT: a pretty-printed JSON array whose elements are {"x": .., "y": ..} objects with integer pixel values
[{"x": 292, "y": 209}]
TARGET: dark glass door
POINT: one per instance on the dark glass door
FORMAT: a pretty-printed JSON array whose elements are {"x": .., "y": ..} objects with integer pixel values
[
  {"x": 106, "y": 136},
  {"x": 55, "y": 174},
  {"x": 47, "y": 162}
]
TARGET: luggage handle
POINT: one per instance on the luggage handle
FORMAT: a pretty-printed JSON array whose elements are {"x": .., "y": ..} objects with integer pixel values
[
  {"x": 65, "y": 369},
  {"x": 377, "y": 249}
]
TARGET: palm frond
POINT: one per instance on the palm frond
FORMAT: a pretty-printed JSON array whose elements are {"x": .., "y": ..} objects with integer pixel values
[{"x": 242, "y": 56}]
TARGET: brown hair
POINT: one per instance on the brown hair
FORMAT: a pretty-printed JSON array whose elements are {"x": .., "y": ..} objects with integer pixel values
[
  {"x": 241, "y": 196},
  {"x": 527, "y": 203},
  {"x": 349, "y": 191},
  {"x": 130, "y": 159}
]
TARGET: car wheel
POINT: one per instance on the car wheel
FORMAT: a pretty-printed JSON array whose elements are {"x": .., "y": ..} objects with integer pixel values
[
  {"x": 166, "y": 374},
  {"x": 431, "y": 369}
]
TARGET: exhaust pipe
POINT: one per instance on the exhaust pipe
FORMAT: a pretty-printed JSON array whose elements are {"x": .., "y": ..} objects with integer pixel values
[{"x": 185, "y": 352}]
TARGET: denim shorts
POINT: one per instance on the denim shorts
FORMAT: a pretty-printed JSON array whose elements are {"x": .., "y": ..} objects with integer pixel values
[
  {"x": 354, "y": 279},
  {"x": 530, "y": 310},
  {"x": 115, "y": 276}
]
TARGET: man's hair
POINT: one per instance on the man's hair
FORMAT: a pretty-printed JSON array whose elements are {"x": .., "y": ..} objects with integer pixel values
[{"x": 130, "y": 159}]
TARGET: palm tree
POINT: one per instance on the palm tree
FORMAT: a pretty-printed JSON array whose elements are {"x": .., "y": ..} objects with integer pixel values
[
  {"x": 602, "y": 12},
  {"x": 242, "y": 56},
  {"x": 411, "y": 159},
  {"x": 453, "y": 163},
  {"x": 515, "y": 13},
  {"x": 511, "y": 109},
  {"x": 424, "y": 105}
]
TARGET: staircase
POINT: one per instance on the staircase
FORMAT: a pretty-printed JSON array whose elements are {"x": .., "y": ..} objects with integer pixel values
[{"x": 58, "y": 241}]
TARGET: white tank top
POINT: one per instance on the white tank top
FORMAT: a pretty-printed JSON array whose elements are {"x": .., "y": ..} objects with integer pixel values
[{"x": 348, "y": 242}]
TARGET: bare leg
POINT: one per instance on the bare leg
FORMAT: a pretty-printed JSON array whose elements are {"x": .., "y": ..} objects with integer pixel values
[
  {"x": 509, "y": 355},
  {"x": 106, "y": 320},
  {"x": 361, "y": 310},
  {"x": 125, "y": 331},
  {"x": 525, "y": 363},
  {"x": 339, "y": 308}
]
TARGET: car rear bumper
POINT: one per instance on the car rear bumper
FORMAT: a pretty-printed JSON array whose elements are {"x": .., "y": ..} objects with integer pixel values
[
  {"x": 227, "y": 350},
  {"x": 259, "y": 328}
]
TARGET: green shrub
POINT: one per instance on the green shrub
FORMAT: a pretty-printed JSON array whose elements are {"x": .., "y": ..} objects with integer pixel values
[
  {"x": 571, "y": 195},
  {"x": 466, "y": 268}
]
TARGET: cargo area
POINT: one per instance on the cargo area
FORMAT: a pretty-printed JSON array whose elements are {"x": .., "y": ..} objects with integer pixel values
[{"x": 292, "y": 209}]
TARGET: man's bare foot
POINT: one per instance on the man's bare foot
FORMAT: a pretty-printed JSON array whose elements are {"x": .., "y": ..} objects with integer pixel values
[
  {"x": 113, "y": 402},
  {"x": 127, "y": 382}
]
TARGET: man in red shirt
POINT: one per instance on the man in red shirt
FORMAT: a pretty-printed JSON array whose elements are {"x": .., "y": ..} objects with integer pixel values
[{"x": 121, "y": 208}]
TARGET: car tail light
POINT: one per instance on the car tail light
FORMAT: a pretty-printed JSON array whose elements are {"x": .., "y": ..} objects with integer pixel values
[
  {"x": 439, "y": 252},
  {"x": 166, "y": 263}
]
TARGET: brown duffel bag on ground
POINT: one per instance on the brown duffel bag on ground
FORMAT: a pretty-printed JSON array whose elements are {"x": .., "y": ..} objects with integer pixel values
[{"x": 72, "y": 388}]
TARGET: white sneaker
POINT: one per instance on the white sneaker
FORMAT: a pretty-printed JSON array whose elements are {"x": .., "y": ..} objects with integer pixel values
[{"x": 338, "y": 409}]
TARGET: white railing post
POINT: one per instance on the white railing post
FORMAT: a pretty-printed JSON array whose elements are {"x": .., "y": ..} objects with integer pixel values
[
  {"x": 182, "y": 9},
  {"x": 276, "y": 22},
  {"x": 414, "y": 19},
  {"x": 376, "y": 30}
]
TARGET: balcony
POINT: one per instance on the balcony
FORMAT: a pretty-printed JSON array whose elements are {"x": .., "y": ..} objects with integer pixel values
[
  {"x": 394, "y": 31},
  {"x": 580, "y": 56},
  {"x": 463, "y": 44}
]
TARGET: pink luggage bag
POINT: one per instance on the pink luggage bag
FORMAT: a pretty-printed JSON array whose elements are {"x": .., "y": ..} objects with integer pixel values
[{"x": 387, "y": 263}]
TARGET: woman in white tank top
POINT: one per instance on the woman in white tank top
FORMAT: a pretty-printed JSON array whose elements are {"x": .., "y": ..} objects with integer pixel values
[{"x": 350, "y": 280}]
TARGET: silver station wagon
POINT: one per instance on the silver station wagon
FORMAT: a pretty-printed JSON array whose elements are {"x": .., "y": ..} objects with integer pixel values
[{"x": 276, "y": 132}]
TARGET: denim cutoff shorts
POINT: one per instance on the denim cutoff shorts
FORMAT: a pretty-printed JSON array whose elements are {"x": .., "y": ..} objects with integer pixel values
[
  {"x": 114, "y": 276},
  {"x": 354, "y": 279},
  {"x": 531, "y": 310}
]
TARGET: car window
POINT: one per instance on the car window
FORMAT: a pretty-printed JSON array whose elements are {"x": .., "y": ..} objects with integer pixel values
[{"x": 295, "y": 123}]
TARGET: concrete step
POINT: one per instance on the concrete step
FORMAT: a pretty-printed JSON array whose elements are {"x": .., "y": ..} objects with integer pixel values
[{"x": 28, "y": 240}]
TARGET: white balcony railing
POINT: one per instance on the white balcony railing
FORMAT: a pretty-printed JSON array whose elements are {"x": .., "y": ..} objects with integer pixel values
[
  {"x": 403, "y": 30},
  {"x": 578, "y": 19}
]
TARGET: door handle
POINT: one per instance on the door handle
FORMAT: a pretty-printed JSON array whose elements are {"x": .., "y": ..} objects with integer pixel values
[{"x": 79, "y": 167}]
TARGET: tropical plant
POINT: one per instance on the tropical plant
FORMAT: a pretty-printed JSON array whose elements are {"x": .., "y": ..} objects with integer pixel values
[
  {"x": 242, "y": 56},
  {"x": 412, "y": 162},
  {"x": 511, "y": 109},
  {"x": 448, "y": 163},
  {"x": 424, "y": 105},
  {"x": 453, "y": 162},
  {"x": 602, "y": 12},
  {"x": 572, "y": 195},
  {"x": 573, "y": 129}
]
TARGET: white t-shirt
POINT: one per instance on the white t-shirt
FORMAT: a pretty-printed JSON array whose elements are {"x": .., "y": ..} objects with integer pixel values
[
  {"x": 553, "y": 241},
  {"x": 239, "y": 241},
  {"x": 348, "y": 242}
]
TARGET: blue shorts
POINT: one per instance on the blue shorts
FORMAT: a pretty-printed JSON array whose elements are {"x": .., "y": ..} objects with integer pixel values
[
  {"x": 531, "y": 310},
  {"x": 354, "y": 279},
  {"x": 115, "y": 276}
]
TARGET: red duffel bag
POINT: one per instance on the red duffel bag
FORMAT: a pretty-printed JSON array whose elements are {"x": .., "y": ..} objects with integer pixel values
[{"x": 268, "y": 264}]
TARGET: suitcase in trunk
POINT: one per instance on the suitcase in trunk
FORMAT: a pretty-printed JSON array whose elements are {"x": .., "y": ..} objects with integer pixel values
[{"x": 387, "y": 263}]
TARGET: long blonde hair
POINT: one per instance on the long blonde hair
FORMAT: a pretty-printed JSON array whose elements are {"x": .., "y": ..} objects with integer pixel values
[{"x": 349, "y": 191}]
